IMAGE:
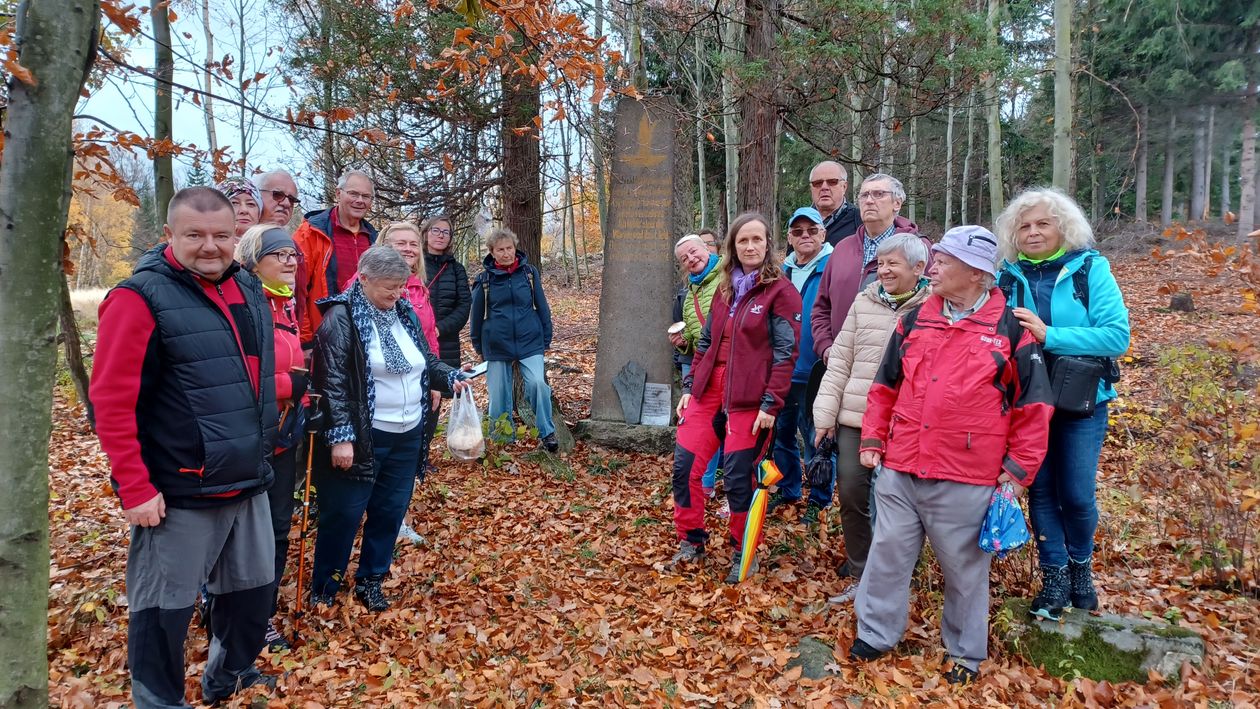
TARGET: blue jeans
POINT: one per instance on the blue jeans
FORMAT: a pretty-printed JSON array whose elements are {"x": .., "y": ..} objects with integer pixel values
[
  {"x": 787, "y": 456},
  {"x": 1061, "y": 501},
  {"x": 499, "y": 385},
  {"x": 343, "y": 502},
  {"x": 710, "y": 473}
]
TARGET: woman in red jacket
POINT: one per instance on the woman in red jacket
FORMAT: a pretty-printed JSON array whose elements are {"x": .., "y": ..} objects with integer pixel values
[
  {"x": 268, "y": 252},
  {"x": 741, "y": 373}
]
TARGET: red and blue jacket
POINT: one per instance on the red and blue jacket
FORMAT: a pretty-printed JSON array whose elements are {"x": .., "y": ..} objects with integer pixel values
[{"x": 963, "y": 401}]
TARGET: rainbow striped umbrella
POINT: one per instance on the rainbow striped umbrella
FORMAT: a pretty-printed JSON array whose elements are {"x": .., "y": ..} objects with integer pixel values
[{"x": 767, "y": 475}]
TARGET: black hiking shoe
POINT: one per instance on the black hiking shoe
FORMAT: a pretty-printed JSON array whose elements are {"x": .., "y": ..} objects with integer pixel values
[
  {"x": 256, "y": 681},
  {"x": 778, "y": 500},
  {"x": 960, "y": 674},
  {"x": 733, "y": 576},
  {"x": 370, "y": 594},
  {"x": 1049, "y": 604},
  {"x": 810, "y": 518},
  {"x": 862, "y": 651},
  {"x": 550, "y": 444},
  {"x": 1081, "y": 580}
]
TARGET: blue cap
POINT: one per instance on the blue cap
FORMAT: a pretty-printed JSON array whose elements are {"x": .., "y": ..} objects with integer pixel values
[{"x": 808, "y": 212}]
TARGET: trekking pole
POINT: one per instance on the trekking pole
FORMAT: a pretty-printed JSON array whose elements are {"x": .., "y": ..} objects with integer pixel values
[{"x": 312, "y": 424}]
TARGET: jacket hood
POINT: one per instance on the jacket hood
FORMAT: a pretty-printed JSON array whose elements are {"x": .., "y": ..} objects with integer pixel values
[
  {"x": 817, "y": 264},
  {"x": 321, "y": 220},
  {"x": 492, "y": 267}
]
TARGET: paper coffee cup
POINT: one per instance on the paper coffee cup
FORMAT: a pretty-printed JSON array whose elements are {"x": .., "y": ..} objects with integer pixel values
[{"x": 677, "y": 328}]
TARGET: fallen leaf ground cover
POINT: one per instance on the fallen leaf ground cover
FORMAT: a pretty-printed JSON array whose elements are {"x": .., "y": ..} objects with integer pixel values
[{"x": 541, "y": 583}]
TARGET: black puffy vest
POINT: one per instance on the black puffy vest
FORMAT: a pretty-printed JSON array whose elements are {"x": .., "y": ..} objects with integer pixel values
[{"x": 203, "y": 430}]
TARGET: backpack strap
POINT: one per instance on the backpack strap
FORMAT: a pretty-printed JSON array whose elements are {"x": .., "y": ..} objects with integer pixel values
[
  {"x": 1080, "y": 282},
  {"x": 1009, "y": 287}
]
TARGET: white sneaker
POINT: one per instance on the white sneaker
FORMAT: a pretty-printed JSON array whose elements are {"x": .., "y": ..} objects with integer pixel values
[
  {"x": 845, "y": 596},
  {"x": 724, "y": 508},
  {"x": 407, "y": 534}
]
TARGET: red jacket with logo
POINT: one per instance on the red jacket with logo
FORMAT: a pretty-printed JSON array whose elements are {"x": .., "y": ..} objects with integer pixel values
[
  {"x": 958, "y": 401},
  {"x": 766, "y": 327}
]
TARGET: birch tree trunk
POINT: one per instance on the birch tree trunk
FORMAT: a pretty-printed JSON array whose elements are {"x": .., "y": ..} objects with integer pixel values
[
  {"x": 1062, "y": 171},
  {"x": 1198, "y": 166},
  {"x": 163, "y": 113},
  {"x": 1225, "y": 196},
  {"x": 996, "y": 200},
  {"x": 207, "y": 101},
  {"x": 730, "y": 131},
  {"x": 1247, "y": 158},
  {"x": 55, "y": 41},
  {"x": 597, "y": 144},
  {"x": 698, "y": 84},
  {"x": 1170, "y": 160},
  {"x": 1139, "y": 199},
  {"x": 949, "y": 143},
  {"x": 1206, "y": 213},
  {"x": 971, "y": 146}
]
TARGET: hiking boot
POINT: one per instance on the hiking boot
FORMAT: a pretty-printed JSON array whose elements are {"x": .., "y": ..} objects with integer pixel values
[
  {"x": 550, "y": 443},
  {"x": 275, "y": 641},
  {"x": 778, "y": 500},
  {"x": 1081, "y": 580},
  {"x": 733, "y": 576},
  {"x": 845, "y": 571},
  {"x": 960, "y": 674},
  {"x": 1053, "y": 598},
  {"x": 325, "y": 600},
  {"x": 688, "y": 553},
  {"x": 369, "y": 592},
  {"x": 409, "y": 535},
  {"x": 810, "y": 518},
  {"x": 252, "y": 680},
  {"x": 862, "y": 651}
]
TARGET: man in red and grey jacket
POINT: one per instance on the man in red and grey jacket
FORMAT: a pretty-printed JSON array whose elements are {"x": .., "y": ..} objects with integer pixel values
[
  {"x": 960, "y": 404},
  {"x": 184, "y": 394}
]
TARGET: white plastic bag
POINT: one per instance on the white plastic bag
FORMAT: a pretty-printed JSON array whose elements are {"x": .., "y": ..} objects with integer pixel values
[{"x": 463, "y": 429}]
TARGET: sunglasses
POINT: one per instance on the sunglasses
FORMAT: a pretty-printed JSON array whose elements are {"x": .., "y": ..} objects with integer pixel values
[
  {"x": 798, "y": 232},
  {"x": 830, "y": 182},
  {"x": 281, "y": 195}
]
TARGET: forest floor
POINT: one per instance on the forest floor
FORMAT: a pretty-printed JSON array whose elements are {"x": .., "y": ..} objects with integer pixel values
[{"x": 540, "y": 583}]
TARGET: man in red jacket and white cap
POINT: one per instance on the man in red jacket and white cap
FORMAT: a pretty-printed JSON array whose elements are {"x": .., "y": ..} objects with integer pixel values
[{"x": 960, "y": 404}]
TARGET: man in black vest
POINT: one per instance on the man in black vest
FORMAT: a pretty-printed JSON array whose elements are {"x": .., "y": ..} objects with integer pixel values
[
  {"x": 185, "y": 408},
  {"x": 828, "y": 184}
]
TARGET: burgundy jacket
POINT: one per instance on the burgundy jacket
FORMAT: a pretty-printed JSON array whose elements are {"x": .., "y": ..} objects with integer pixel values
[
  {"x": 762, "y": 353},
  {"x": 842, "y": 280}
]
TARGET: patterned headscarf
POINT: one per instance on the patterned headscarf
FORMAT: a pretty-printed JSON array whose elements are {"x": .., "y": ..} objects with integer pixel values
[{"x": 233, "y": 186}]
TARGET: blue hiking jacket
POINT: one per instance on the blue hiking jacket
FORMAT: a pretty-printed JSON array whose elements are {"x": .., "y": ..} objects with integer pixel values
[
  {"x": 805, "y": 356},
  {"x": 510, "y": 316},
  {"x": 1103, "y": 331}
]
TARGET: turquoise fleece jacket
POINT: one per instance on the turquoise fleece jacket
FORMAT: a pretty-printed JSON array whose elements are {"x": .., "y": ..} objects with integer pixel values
[{"x": 1101, "y": 332}]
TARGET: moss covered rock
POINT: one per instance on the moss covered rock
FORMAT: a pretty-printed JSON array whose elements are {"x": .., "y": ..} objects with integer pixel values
[{"x": 1101, "y": 647}]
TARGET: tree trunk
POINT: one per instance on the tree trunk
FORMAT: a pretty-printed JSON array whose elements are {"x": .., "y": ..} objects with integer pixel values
[
  {"x": 1062, "y": 174},
  {"x": 1247, "y": 163},
  {"x": 1225, "y": 196},
  {"x": 759, "y": 121},
  {"x": 730, "y": 130},
  {"x": 74, "y": 349},
  {"x": 1139, "y": 199},
  {"x": 1170, "y": 164},
  {"x": 996, "y": 200},
  {"x": 1198, "y": 166},
  {"x": 207, "y": 101},
  {"x": 1206, "y": 213},
  {"x": 949, "y": 144},
  {"x": 971, "y": 146},
  {"x": 698, "y": 85},
  {"x": 913, "y": 184},
  {"x": 55, "y": 42},
  {"x": 522, "y": 178},
  {"x": 597, "y": 144},
  {"x": 163, "y": 113}
]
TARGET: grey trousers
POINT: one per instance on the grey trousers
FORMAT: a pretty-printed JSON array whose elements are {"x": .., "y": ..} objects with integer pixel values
[
  {"x": 950, "y": 514},
  {"x": 230, "y": 548}
]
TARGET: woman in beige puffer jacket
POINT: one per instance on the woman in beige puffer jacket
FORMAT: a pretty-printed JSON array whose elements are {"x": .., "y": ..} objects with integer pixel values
[{"x": 852, "y": 363}]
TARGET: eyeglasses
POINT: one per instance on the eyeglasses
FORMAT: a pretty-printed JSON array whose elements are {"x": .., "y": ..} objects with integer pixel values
[
  {"x": 439, "y": 232},
  {"x": 281, "y": 196},
  {"x": 830, "y": 182},
  {"x": 285, "y": 256},
  {"x": 359, "y": 196},
  {"x": 798, "y": 232},
  {"x": 873, "y": 195}
]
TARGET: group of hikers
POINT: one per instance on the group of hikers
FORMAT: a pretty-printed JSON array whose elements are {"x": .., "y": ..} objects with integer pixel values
[
  {"x": 236, "y": 343},
  {"x": 927, "y": 374},
  {"x": 940, "y": 371}
]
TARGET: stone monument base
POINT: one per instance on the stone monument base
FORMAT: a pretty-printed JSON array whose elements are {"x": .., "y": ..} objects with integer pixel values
[{"x": 657, "y": 440}]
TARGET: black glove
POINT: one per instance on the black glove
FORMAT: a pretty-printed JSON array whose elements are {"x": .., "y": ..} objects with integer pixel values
[{"x": 300, "y": 383}]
